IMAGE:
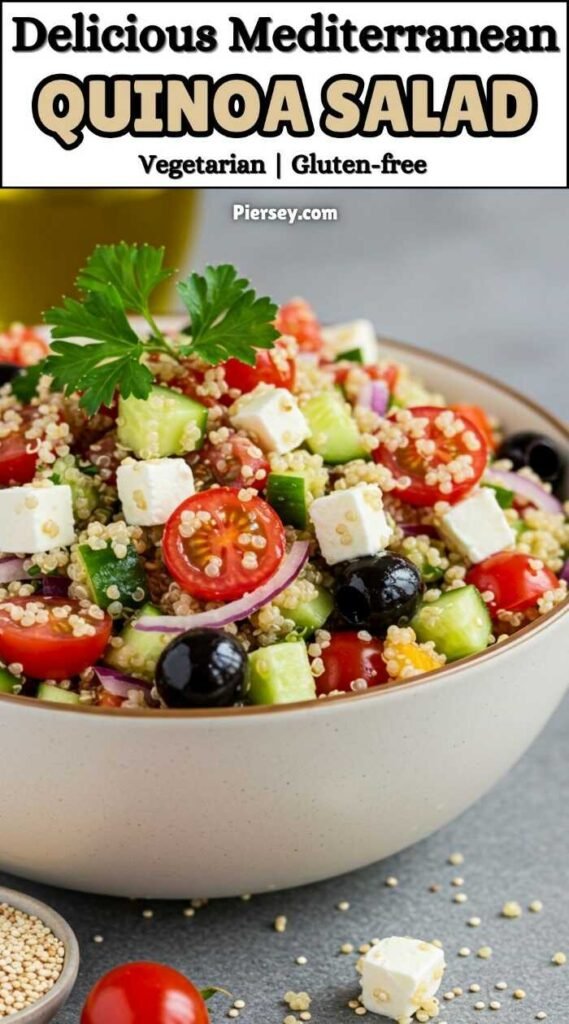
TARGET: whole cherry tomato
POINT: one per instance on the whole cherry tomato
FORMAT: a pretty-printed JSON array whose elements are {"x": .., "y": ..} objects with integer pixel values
[{"x": 144, "y": 993}]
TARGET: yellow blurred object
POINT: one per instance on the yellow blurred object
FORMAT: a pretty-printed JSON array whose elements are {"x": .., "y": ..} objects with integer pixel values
[
  {"x": 407, "y": 659},
  {"x": 46, "y": 235}
]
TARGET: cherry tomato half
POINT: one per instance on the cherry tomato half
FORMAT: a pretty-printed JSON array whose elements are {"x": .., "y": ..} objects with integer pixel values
[
  {"x": 144, "y": 993},
  {"x": 219, "y": 547},
  {"x": 22, "y": 346},
  {"x": 515, "y": 579},
  {"x": 49, "y": 650},
  {"x": 410, "y": 462},
  {"x": 346, "y": 658},
  {"x": 17, "y": 464},
  {"x": 476, "y": 415},
  {"x": 298, "y": 319},
  {"x": 272, "y": 366},
  {"x": 237, "y": 462}
]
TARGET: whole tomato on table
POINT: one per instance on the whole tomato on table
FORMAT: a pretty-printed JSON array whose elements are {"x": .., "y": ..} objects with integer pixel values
[{"x": 144, "y": 993}]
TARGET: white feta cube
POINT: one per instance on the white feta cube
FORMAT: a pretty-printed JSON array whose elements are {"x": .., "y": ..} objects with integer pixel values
[
  {"x": 151, "y": 489},
  {"x": 273, "y": 418},
  {"x": 350, "y": 523},
  {"x": 401, "y": 975},
  {"x": 477, "y": 526},
  {"x": 34, "y": 519},
  {"x": 356, "y": 334}
]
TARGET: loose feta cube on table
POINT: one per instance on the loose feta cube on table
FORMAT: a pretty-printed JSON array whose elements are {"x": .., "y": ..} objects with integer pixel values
[
  {"x": 401, "y": 975},
  {"x": 477, "y": 526},
  {"x": 356, "y": 334},
  {"x": 34, "y": 519},
  {"x": 273, "y": 418},
  {"x": 151, "y": 489},
  {"x": 350, "y": 523}
]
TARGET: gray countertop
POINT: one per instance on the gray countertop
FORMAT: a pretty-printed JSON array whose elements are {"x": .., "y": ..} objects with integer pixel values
[{"x": 480, "y": 275}]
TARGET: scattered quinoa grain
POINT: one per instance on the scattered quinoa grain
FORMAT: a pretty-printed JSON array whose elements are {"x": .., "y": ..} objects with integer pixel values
[
  {"x": 435, "y": 887},
  {"x": 460, "y": 897},
  {"x": 360, "y": 1011},
  {"x": 347, "y": 948},
  {"x": 98, "y": 939},
  {"x": 540, "y": 1015},
  {"x": 494, "y": 1004},
  {"x": 233, "y": 1012},
  {"x": 343, "y": 905},
  {"x": 464, "y": 951},
  {"x": 457, "y": 881},
  {"x": 501, "y": 986},
  {"x": 519, "y": 993},
  {"x": 448, "y": 996},
  {"x": 280, "y": 923},
  {"x": 189, "y": 912},
  {"x": 475, "y": 987},
  {"x": 536, "y": 906},
  {"x": 511, "y": 909},
  {"x": 474, "y": 922},
  {"x": 456, "y": 859},
  {"x": 457, "y": 990},
  {"x": 479, "y": 1005},
  {"x": 239, "y": 1004},
  {"x": 148, "y": 913},
  {"x": 559, "y": 959},
  {"x": 301, "y": 960},
  {"x": 391, "y": 882},
  {"x": 485, "y": 952}
]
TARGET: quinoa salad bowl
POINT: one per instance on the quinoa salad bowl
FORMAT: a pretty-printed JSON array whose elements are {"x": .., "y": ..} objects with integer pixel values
[{"x": 270, "y": 609}]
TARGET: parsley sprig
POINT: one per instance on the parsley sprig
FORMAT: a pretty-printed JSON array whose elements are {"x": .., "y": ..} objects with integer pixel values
[{"x": 226, "y": 319}]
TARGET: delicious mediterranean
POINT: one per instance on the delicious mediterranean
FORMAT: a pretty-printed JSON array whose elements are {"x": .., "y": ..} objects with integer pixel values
[{"x": 252, "y": 508}]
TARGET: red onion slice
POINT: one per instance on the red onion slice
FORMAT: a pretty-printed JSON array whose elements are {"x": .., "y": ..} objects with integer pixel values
[
  {"x": 564, "y": 574},
  {"x": 374, "y": 395},
  {"x": 55, "y": 586},
  {"x": 235, "y": 610},
  {"x": 117, "y": 683},
  {"x": 11, "y": 569},
  {"x": 416, "y": 530},
  {"x": 525, "y": 488}
]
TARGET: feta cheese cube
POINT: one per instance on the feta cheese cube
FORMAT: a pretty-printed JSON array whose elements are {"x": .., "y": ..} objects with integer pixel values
[
  {"x": 273, "y": 418},
  {"x": 151, "y": 489},
  {"x": 356, "y": 334},
  {"x": 477, "y": 526},
  {"x": 401, "y": 975},
  {"x": 34, "y": 519},
  {"x": 350, "y": 523}
]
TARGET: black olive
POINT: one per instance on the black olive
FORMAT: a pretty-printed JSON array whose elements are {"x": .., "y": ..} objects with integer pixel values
[
  {"x": 378, "y": 591},
  {"x": 8, "y": 371},
  {"x": 538, "y": 452},
  {"x": 203, "y": 668}
]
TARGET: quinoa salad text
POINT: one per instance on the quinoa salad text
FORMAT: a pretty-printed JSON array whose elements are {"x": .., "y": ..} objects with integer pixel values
[{"x": 255, "y": 509}]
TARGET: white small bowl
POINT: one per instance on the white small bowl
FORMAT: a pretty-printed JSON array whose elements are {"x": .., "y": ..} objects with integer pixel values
[
  {"x": 49, "y": 1005},
  {"x": 220, "y": 802}
]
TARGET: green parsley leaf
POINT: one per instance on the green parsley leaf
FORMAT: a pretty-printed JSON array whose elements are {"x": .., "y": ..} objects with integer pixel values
[
  {"x": 227, "y": 318},
  {"x": 25, "y": 384},
  {"x": 98, "y": 370},
  {"x": 134, "y": 271},
  {"x": 101, "y": 317}
]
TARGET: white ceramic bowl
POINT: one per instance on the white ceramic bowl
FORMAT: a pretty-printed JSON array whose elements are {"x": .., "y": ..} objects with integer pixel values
[{"x": 218, "y": 803}]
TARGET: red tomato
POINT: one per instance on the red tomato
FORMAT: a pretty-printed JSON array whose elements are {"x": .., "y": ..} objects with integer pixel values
[
  {"x": 415, "y": 465},
  {"x": 237, "y": 462},
  {"x": 515, "y": 579},
  {"x": 22, "y": 346},
  {"x": 17, "y": 464},
  {"x": 298, "y": 319},
  {"x": 477, "y": 416},
  {"x": 109, "y": 700},
  {"x": 272, "y": 366},
  {"x": 211, "y": 562},
  {"x": 144, "y": 993},
  {"x": 50, "y": 650},
  {"x": 346, "y": 658}
]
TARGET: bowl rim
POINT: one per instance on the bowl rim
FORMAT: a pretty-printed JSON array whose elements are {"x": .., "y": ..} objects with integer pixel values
[
  {"x": 525, "y": 633},
  {"x": 63, "y": 931}
]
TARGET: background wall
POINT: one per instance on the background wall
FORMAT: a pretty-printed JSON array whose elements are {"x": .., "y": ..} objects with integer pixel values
[{"x": 477, "y": 274}]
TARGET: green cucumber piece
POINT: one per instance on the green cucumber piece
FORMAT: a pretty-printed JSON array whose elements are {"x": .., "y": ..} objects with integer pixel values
[
  {"x": 139, "y": 651},
  {"x": 504, "y": 496},
  {"x": 103, "y": 570},
  {"x": 334, "y": 433},
  {"x": 84, "y": 491},
  {"x": 7, "y": 681},
  {"x": 46, "y": 691},
  {"x": 311, "y": 615},
  {"x": 165, "y": 423},
  {"x": 280, "y": 674},
  {"x": 353, "y": 355},
  {"x": 288, "y": 494},
  {"x": 458, "y": 623}
]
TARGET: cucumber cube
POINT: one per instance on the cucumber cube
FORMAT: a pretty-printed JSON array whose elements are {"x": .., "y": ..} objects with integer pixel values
[
  {"x": 165, "y": 423},
  {"x": 7, "y": 681},
  {"x": 333, "y": 431},
  {"x": 104, "y": 570},
  {"x": 46, "y": 691},
  {"x": 288, "y": 494},
  {"x": 280, "y": 674},
  {"x": 311, "y": 615},
  {"x": 458, "y": 623},
  {"x": 139, "y": 652}
]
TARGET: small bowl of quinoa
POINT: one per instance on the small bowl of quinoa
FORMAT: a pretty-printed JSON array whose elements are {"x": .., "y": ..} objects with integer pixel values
[{"x": 39, "y": 959}]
